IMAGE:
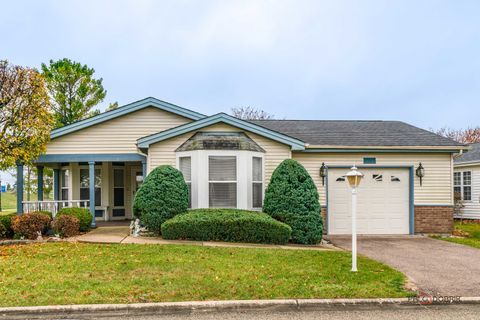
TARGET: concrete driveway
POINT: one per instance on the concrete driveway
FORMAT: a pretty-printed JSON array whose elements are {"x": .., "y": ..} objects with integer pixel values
[{"x": 436, "y": 267}]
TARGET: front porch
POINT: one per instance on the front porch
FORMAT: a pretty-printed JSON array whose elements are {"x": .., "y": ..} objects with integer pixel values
[{"x": 116, "y": 178}]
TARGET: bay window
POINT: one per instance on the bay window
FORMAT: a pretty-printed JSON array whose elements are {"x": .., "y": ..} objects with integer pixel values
[
  {"x": 185, "y": 164},
  {"x": 257, "y": 182}
]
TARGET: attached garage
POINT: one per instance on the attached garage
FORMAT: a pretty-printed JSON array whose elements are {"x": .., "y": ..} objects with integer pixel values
[{"x": 383, "y": 201}]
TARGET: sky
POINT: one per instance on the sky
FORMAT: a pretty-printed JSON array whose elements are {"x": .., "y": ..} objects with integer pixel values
[{"x": 415, "y": 61}]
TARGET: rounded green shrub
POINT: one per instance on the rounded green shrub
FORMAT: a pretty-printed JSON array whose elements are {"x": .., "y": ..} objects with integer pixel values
[
  {"x": 82, "y": 214},
  {"x": 292, "y": 197},
  {"x": 229, "y": 225},
  {"x": 6, "y": 230},
  {"x": 163, "y": 195}
]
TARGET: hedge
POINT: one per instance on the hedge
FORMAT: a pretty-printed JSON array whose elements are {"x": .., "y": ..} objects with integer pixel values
[
  {"x": 229, "y": 225},
  {"x": 292, "y": 197},
  {"x": 6, "y": 230},
  {"x": 30, "y": 225},
  {"x": 162, "y": 195},
  {"x": 82, "y": 214},
  {"x": 66, "y": 225}
]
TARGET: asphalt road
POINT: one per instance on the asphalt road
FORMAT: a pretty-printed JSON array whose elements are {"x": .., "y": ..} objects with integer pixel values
[{"x": 437, "y": 312}]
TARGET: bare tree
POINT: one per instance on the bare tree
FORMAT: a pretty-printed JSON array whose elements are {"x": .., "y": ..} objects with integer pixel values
[
  {"x": 251, "y": 113},
  {"x": 467, "y": 136}
]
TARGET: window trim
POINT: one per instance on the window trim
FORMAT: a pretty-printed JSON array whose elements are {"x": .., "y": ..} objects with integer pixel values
[
  {"x": 261, "y": 182},
  {"x": 462, "y": 184},
  {"x": 200, "y": 175},
  {"x": 68, "y": 184},
  {"x": 223, "y": 181}
]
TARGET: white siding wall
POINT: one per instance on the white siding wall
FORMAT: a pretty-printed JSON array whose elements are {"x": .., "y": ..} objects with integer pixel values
[
  {"x": 117, "y": 135},
  {"x": 471, "y": 209},
  {"x": 437, "y": 188},
  {"x": 164, "y": 152}
]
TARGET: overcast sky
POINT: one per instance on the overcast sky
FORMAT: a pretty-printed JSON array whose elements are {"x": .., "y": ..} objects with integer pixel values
[{"x": 416, "y": 61}]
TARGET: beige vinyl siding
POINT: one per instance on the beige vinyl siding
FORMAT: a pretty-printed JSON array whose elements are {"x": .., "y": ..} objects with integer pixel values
[
  {"x": 117, "y": 135},
  {"x": 163, "y": 152},
  {"x": 471, "y": 209},
  {"x": 437, "y": 185}
]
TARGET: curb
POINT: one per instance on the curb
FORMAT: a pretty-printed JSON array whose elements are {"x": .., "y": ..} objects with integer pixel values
[{"x": 169, "y": 308}]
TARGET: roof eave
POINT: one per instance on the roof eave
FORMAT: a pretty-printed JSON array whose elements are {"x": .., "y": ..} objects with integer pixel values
[
  {"x": 123, "y": 110},
  {"x": 295, "y": 144}
]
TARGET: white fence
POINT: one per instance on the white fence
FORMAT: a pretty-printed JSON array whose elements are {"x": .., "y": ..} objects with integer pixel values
[{"x": 53, "y": 206}]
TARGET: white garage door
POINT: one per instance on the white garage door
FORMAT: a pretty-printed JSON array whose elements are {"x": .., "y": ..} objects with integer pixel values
[{"x": 382, "y": 202}]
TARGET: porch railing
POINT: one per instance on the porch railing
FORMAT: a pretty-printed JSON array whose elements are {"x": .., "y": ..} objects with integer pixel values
[{"x": 53, "y": 205}]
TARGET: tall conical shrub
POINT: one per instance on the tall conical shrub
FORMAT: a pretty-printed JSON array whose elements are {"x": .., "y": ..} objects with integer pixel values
[
  {"x": 292, "y": 197},
  {"x": 163, "y": 195}
]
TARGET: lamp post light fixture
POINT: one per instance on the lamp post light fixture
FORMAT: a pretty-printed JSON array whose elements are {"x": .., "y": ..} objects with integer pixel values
[
  {"x": 323, "y": 172},
  {"x": 354, "y": 177},
  {"x": 420, "y": 172}
]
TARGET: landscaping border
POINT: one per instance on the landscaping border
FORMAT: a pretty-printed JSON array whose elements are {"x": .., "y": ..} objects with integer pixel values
[{"x": 169, "y": 308}]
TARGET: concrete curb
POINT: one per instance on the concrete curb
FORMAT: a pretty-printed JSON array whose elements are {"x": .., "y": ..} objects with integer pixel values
[{"x": 168, "y": 308}]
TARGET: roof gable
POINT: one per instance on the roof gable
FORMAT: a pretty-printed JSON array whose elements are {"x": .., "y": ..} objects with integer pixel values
[
  {"x": 126, "y": 109},
  {"x": 294, "y": 143}
]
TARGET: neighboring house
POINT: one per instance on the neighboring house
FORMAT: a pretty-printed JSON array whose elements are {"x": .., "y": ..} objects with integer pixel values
[
  {"x": 466, "y": 183},
  {"x": 228, "y": 162}
]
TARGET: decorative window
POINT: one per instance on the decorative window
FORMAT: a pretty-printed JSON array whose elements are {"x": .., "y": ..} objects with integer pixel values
[
  {"x": 222, "y": 181},
  {"x": 462, "y": 185},
  {"x": 377, "y": 177},
  {"x": 369, "y": 160},
  {"x": 85, "y": 186},
  {"x": 257, "y": 182},
  {"x": 65, "y": 183},
  {"x": 186, "y": 169},
  {"x": 341, "y": 179},
  {"x": 394, "y": 179}
]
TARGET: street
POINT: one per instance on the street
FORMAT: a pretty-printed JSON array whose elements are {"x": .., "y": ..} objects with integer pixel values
[{"x": 437, "y": 312}]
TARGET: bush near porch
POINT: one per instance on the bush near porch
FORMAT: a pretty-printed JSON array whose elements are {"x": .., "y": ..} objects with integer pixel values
[
  {"x": 163, "y": 195},
  {"x": 229, "y": 225},
  {"x": 83, "y": 215},
  {"x": 292, "y": 197}
]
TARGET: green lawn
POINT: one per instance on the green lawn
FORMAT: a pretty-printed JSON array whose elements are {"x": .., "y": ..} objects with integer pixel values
[
  {"x": 473, "y": 238},
  {"x": 65, "y": 273},
  {"x": 9, "y": 202}
]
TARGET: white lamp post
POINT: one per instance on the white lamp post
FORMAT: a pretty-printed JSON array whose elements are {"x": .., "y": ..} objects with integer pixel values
[{"x": 354, "y": 177}]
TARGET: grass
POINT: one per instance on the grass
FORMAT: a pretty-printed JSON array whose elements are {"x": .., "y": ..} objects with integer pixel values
[
  {"x": 67, "y": 273},
  {"x": 473, "y": 238},
  {"x": 9, "y": 202}
]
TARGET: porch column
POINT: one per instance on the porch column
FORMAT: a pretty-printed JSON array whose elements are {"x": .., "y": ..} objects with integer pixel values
[
  {"x": 56, "y": 184},
  {"x": 144, "y": 169},
  {"x": 40, "y": 183},
  {"x": 91, "y": 175},
  {"x": 19, "y": 187}
]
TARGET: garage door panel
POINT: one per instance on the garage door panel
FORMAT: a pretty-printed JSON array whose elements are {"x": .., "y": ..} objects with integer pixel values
[{"x": 382, "y": 202}]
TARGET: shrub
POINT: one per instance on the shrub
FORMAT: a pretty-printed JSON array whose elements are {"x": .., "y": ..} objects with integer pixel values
[
  {"x": 66, "y": 226},
  {"x": 163, "y": 195},
  {"x": 29, "y": 225},
  {"x": 82, "y": 214},
  {"x": 292, "y": 197},
  {"x": 47, "y": 213},
  {"x": 226, "y": 225},
  {"x": 6, "y": 230}
]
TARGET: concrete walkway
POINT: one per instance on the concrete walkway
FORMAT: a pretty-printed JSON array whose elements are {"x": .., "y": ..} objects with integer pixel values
[
  {"x": 118, "y": 233},
  {"x": 435, "y": 266}
]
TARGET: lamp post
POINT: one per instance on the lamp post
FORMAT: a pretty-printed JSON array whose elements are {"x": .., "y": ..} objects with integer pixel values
[{"x": 354, "y": 177}]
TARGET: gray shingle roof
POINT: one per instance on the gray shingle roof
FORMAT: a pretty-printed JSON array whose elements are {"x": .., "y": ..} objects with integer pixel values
[
  {"x": 356, "y": 133},
  {"x": 471, "y": 155}
]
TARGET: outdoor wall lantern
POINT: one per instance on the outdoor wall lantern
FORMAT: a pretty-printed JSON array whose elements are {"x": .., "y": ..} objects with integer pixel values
[
  {"x": 354, "y": 177},
  {"x": 323, "y": 172},
  {"x": 420, "y": 172}
]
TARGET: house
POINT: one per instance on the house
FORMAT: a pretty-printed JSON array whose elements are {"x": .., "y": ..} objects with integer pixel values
[
  {"x": 466, "y": 183},
  {"x": 228, "y": 162}
]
